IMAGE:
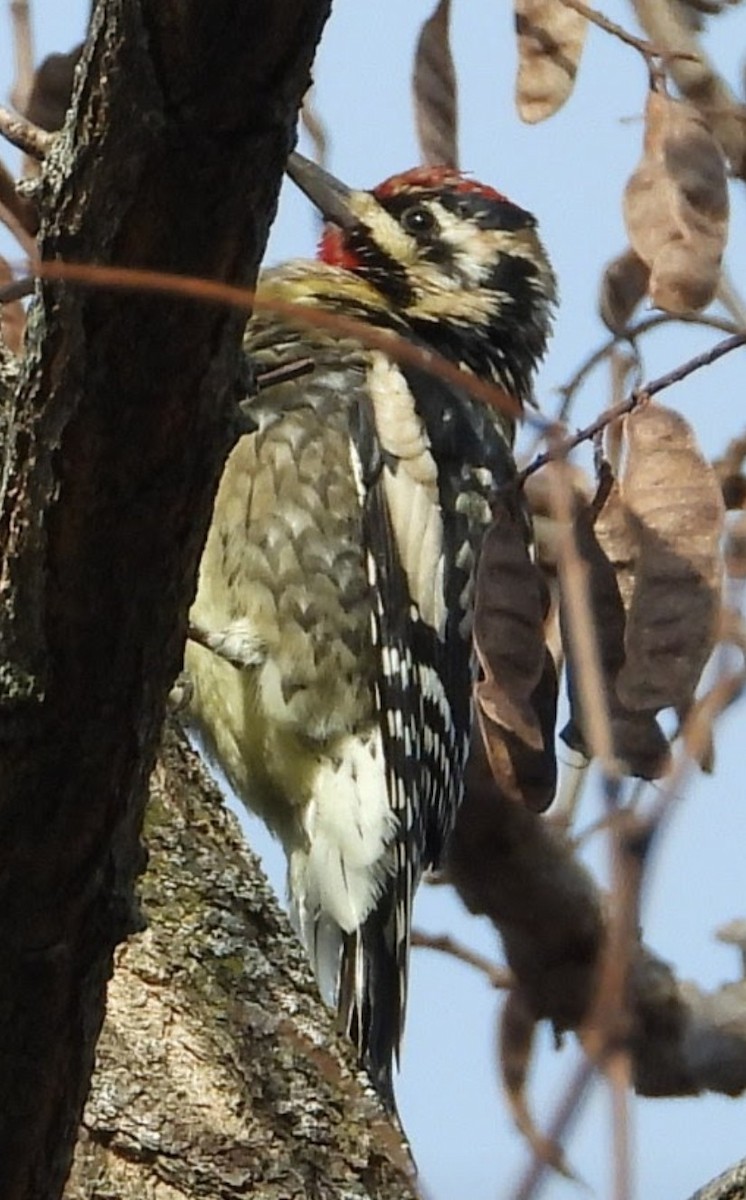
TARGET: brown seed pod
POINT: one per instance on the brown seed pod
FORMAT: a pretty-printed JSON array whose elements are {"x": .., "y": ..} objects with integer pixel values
[
  {"x": 516, "y": 698},
  {"x": 676, "y": 206},
  {"x": 676, "y": 508},
  {"x": 623, "y": 285},
  {"x": 435, "y": 90},
  {"x": 607, "y": 545},
  {"x": 550, "y": 43}
]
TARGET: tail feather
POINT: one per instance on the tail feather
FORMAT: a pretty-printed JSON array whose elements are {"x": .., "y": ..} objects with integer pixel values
[{"x": 371, "y": 1001}]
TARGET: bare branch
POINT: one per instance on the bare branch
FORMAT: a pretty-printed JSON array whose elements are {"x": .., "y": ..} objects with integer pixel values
[
  {"x": 579, "y": 622},
  {"x": 242, "y": 299},
  {"x": 632, "y": 335},
  {"x": 25, "y": 136},
  {"x": 647, "y": 49},
  {"x": 566, "y": 1112},
  {"x": 21, "y": 216},
  {"x": 563, "y": 447},
  {"x": 499, "y": 977},
  {"x": 17, "y": 289},
  {"x": 731, "y": 1185}
]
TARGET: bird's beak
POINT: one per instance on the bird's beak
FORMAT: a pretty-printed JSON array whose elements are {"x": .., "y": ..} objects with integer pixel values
[{"x": 331, "y": 197}]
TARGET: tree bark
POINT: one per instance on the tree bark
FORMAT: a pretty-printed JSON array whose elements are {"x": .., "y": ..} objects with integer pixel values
[
  {"x": 113, "y": 442},
  {"x": 219, "y": 1073}
]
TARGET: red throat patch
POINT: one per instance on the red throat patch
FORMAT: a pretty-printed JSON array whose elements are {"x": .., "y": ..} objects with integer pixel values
[{"x": 333, "y": 249}]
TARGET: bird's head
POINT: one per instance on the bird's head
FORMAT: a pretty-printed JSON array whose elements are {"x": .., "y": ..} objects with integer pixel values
[{"x": 461, "y": 263}]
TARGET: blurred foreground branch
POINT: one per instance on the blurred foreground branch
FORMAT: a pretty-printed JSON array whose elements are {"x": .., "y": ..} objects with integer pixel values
[{"x": 512, "y": 866}]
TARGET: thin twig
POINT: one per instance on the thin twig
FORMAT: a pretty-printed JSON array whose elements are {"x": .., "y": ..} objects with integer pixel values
[
  {"x": 696, "y": 739},
  {"x": 17, "y": 289},
  {"x": 632, "y": 334},
  {"x": 619, "y": 1075},
  {"x": 581, "y": 626},
  {"x": 499, "y": 977},
  {"x": 563, "y": 447},
  {"x": 22, "y": 215},
  {"x": 647, "y": 49},
  {"x": 398, "y": 348},
  {"x": 24, "y": 135},
  {"x": 706, "y": 359},
  {"x": 606, "y": 1031},
  {"x": 566, "y": 1112}
]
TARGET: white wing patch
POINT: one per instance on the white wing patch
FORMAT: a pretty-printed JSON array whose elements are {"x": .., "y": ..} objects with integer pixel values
[
  {"x": 411, "y": 489},
  {"x": 349, "y": 824}
]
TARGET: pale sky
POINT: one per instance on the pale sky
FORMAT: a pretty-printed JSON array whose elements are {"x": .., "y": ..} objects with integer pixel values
[{"x": 570, "y": 171}]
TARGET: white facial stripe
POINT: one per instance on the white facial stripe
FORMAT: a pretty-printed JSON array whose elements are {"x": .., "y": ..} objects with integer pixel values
[{"x": 385, "y": 229}]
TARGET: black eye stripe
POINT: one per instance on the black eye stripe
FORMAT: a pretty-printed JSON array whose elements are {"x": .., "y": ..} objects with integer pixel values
[
  {"x": 381, "y": 268},
  {"x": 484, "y": 211}
]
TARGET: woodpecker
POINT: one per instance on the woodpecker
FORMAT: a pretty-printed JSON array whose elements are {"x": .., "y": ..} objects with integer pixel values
[{"x": 332, "y": 669}]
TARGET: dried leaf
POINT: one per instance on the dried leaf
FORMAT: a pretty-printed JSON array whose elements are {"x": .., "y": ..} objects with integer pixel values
[
  {"x": 676, "y": 206},
  {"x": 516, "y": 698},
  {"x": 615, "y": 537},
  {"x": 623, "y": 286},
  {"x": 52, "y": 89},
  {"x": 729, "y": 469},
  {"x": 526, "y": 773},
  {"x": 685, "y": 277},
  {"x": 550, "y": 43},
  {"x": 648, "y": 213},
  {"x": 435, "y": 91},
  {"x": 735, "y": 549},
  {"x": 508, "y": 617},
  {"x": 538, "y": 491},
  {"x": 694, "y": 163},
  {"x": 694, "y": 12},
  {"x": 607, "y": 545},
  {"x": 675, "y": 504}
]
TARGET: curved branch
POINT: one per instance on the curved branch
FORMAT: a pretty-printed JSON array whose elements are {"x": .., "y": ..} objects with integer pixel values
[
  {"x": 563, "y": 447},
  {"x": 24, "y": 135},
  {"x": 632, "y": 334}
]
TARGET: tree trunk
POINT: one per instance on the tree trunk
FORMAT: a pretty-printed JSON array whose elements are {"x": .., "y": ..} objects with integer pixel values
[
  {"x": 113, "y": 442},
  {"x": 219, "y": 1073}
]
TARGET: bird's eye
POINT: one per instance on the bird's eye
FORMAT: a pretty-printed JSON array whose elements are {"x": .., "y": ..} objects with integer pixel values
[{"x": 418, "y": 220}]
